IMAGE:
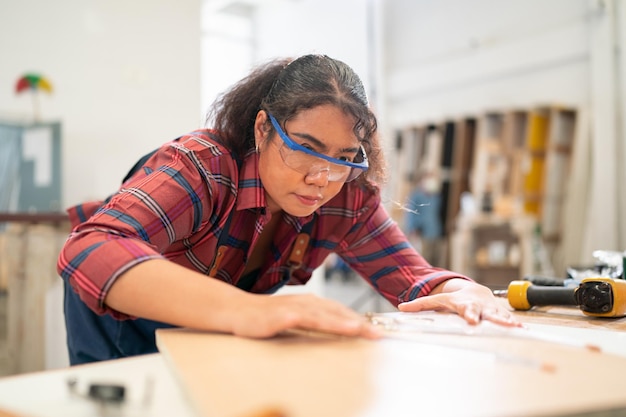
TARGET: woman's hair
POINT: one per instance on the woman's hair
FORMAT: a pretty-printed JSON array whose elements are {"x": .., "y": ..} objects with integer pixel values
[{"x": 283, "y": 88}]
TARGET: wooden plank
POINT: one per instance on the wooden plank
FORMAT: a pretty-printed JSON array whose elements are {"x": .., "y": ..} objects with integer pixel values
[
  {"x": 572, "y": 317},
  {"x": 431, "y": 161},
  {"x": 465, "y": 133},
  {"x": 514, "y": 139},
  {"x": 558, "y": 152},
  {"x": 490, "y": 164},
  {"x": 510, "y": 372},
  {"x": 16, "y": 247},
  {"x": 38, "y": 217},
  {"x": 4, "y": 278},
  {"x": 534, "y": 162},
  {"x": 4, "y": 286},
  {"x": 407, "y": 147},
  {"x": 32, "y": 251},
  {"x": 4, "y": 349},
  {"x": 448, "y": 177}
]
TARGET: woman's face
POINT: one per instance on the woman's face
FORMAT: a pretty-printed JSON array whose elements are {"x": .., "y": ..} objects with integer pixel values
[{"x": 324, "y": 129}]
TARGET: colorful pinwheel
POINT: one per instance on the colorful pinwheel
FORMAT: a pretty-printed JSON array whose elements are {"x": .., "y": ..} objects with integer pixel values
[{"x": 33, "y": 83}]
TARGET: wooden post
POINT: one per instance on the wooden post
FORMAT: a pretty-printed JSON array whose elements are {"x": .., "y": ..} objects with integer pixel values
[{"x": 29, "y": 258}]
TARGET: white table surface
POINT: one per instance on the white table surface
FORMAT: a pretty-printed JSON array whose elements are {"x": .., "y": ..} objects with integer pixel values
[{"x": 46, "y": 394}]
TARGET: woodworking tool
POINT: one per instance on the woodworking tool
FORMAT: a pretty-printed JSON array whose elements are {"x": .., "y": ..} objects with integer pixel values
[{"x": 600, "y": 297}]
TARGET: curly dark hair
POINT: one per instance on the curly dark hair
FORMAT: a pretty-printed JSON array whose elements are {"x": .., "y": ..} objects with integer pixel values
[{"x": 285, "y": 86}]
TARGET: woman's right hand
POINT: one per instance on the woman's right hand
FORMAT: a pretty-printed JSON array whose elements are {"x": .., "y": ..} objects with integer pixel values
[
  {"x": 266, "y": 316},
  {"x": 163, "y": 291}
]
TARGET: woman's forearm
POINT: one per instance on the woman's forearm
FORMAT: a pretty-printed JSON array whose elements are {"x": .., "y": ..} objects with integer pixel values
[{"x": 163, "y": 291}]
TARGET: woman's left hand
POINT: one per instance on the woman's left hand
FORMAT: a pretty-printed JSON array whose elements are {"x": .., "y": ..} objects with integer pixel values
[{"x": 472, "y": 301}]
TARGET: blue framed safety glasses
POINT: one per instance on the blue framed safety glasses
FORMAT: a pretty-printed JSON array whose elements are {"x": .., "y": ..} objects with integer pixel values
[{"x": 309, "y": 162}]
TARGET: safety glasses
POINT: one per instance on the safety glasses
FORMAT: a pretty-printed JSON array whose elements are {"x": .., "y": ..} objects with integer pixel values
[{"x": 311, "y": 163}]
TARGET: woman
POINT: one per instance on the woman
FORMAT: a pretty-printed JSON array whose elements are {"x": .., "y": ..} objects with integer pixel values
[{"x": 209, "y": 224}]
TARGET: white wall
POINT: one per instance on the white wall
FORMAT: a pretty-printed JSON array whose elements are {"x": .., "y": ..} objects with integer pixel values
[
  {"x": 126, "y": 77},
  {"x": 280, "y": 28},
  {"x": 457, "y": 58},
  {"x": 453, "y": 57},
  {"x": 335, "y": 28}
]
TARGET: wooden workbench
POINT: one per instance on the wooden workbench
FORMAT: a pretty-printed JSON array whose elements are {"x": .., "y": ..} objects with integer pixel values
[
  {"x": 470, "y": 371},
  {"x": 567, "y": 316},
  {"x": 307, "y": 375}
]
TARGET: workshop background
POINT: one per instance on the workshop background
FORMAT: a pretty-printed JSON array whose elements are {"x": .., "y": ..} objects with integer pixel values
[{"x": 516, "y": 108}]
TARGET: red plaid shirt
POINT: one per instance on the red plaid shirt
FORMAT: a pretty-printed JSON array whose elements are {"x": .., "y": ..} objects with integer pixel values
[{"x": 176, "y": 205}]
